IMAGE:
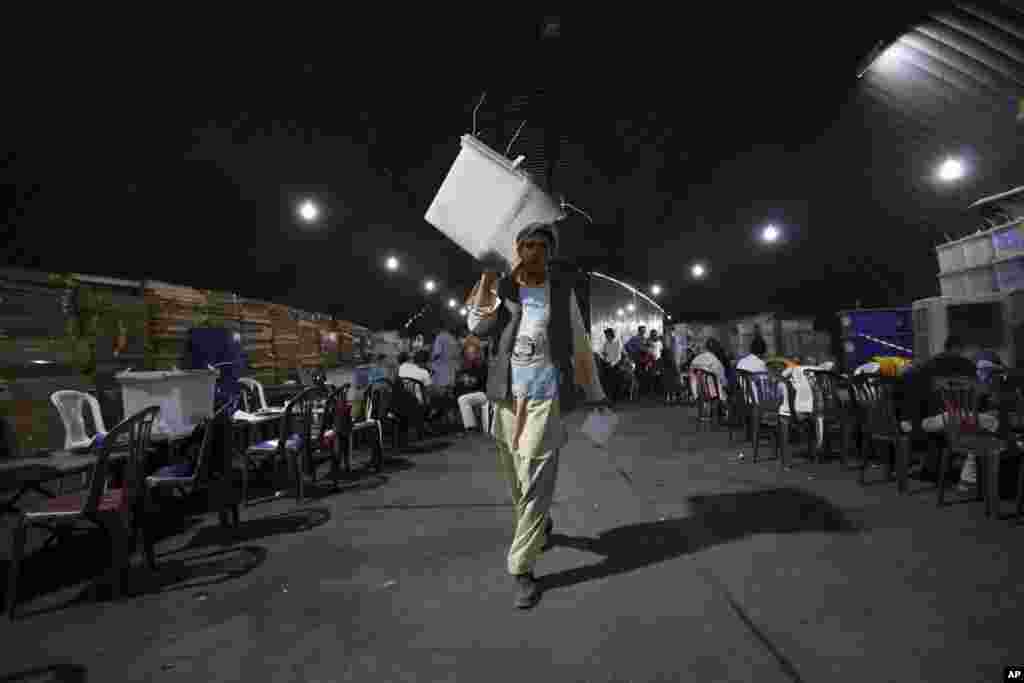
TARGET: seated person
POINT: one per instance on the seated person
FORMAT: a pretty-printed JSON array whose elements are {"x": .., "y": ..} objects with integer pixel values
[
  {"x": 713, "y": 360},
  {"x": 803, "y": 400},
  {"x": 920, "y": 404},
  {"x": 646, "y": 370},
  {"x": 471, "y": 383},
  {"x": 753, "y": 362},
  {"x": 416, "y": 370},
  {"x": 437, "y": 399},
  {"x": 918, "y": 399},
  {"x": 628, "y": 383}
]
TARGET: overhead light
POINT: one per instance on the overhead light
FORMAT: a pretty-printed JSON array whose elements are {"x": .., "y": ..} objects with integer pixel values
[
  {"x": 698, "y": 270},
  {"x": 770, "y": 234},
  {"x": 430, "y": 285},
  {"x": 655, "y": 290},
  {"x": 43, "y": 362},
  {"x": 620, "y": 313},
  {"x": 309, "y": 211},
  {"x": 631, "y": 307},
  {"x": 392, "y": 263},
  {"x": 463, "y": 311},
  {"x": 452, "y": 303},
  {"x": 951, "y": 169}
]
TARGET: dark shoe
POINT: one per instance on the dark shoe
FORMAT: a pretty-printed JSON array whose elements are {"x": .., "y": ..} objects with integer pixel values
[
  {"x": 527, "y": 591},
  {"x": 549, "y": 529}
]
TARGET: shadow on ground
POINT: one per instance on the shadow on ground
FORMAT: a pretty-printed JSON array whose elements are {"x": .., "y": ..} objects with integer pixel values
[
  {"x": 83, "y": 558},
  {"x": 716, "y": 519},
  {"x": 250, "y": 530},
  {"x": 55, "y": 673},
  {"x": 426, "y": 448},
  {"x": 178, "y": 574}
]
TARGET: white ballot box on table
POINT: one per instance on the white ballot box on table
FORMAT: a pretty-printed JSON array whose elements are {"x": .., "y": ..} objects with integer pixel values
[
  {"x": 185, "y": 398},
  {"x": 485, "y": 200}
]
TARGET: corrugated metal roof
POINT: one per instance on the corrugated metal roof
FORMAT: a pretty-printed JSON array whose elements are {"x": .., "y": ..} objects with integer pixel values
[{"x": 962, "y": 66}]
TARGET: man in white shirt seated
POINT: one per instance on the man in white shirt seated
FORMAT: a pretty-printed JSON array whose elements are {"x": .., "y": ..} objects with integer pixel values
[
  {"x": 712, "y": 360},
  {"x": 753, "y": 362},
  {"x": 417, "y": 370}
]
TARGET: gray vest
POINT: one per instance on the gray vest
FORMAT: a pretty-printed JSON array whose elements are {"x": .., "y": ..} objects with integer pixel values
[{"x": 562, "y": 277}]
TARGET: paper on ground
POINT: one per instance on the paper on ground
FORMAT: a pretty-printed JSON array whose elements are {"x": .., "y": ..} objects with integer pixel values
[{"x": 599, "y": 427}]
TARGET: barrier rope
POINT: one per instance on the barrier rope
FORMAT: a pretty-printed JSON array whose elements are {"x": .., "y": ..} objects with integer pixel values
[{"x": 885, "y": 343}]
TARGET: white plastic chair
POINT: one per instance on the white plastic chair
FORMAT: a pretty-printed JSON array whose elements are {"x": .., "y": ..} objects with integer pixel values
[
  {"x": 258, "y": 388},
  {"x": 71, "y": 406}
]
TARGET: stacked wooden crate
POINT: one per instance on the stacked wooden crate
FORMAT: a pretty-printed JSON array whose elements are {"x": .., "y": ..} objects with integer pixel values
[
  {"x": 258, "y": 340},
  {"x": 286, "y": 340},
  {"x": 309, "y": 344},
  {"x": 173, "y": 311},
  {"x": 222, "y": 310},
  {"x": 346, "y": 340}
]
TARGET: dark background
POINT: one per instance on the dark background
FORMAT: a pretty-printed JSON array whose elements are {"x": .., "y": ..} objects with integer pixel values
[{"x": 176, "y": 148}]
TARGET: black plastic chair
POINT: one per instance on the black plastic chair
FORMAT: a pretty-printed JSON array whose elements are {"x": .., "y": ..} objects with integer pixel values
[
  {"x": 739, "y": 418},
  {"x": 419, "y": 391},
  {"x": 801, "y": 422},
  {"x": 1009, "y": 393},
  {"x": 299, "y": 437},
  {"x": 104, "y": 507},
  {"x": 334, "y": 429},
  {"x": 876, "y": 397},
  {"x": 762, "y": 397},
  {"x": 196, "y": 475},
  {"x": 964, "y": 434},
  {"x": 834, "y": 413},
  {"x": 378, "y": 405},
  {"x": 326, "y": 447},
  {"x": 708, "y": 399}
]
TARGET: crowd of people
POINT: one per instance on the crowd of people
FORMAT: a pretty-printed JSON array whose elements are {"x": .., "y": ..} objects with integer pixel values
[
  {"x": 648, "y": 364},
  {"x": 450, "y": 378}
]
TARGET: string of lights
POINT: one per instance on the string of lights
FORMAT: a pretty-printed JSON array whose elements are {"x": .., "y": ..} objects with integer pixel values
[{"x": 310, "y": 212}]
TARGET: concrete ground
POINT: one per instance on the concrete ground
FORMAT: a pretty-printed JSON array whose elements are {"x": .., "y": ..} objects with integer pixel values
[{"x": 675, "y": 561}]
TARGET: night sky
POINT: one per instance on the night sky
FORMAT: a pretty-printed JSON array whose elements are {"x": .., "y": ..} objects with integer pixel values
[{"x": 180, "y": 155}]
